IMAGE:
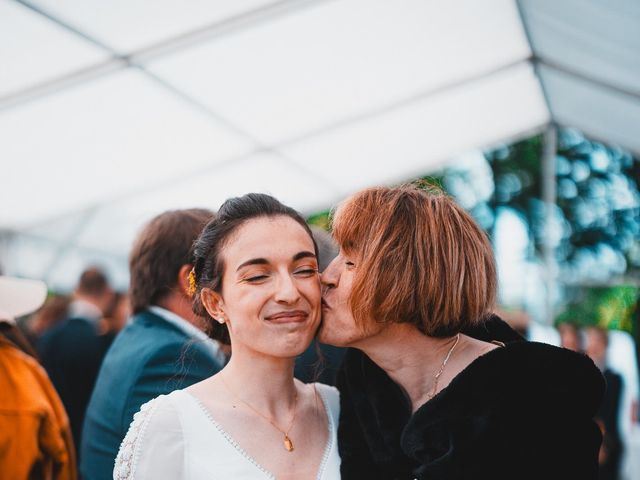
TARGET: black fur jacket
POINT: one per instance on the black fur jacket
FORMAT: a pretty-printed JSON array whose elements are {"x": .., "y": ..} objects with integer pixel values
[{"x": 523, "y": 411}]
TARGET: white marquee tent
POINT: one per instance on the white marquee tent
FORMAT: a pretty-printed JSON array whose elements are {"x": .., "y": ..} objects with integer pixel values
[{"x": 111, "y": 112}]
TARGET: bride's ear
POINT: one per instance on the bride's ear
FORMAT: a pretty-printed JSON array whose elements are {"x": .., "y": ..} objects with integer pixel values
[{"x": 213, "y": 304}]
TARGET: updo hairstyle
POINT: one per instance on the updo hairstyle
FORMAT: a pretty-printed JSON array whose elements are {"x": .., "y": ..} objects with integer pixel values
[{"x": 208, "y": 262}]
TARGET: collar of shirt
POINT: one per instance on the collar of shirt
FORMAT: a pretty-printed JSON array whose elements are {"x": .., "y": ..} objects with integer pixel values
[
  {"x": 83, "y": 309},
  {"x": 191, "y": 331}
]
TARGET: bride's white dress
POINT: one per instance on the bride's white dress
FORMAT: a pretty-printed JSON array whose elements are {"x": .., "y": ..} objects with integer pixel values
[{"x": 174, "y": 437}]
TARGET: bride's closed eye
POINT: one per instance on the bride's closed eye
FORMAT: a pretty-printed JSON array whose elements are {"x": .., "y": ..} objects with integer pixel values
[
  {"x": 306, "y": 271},
  {"x": 255, "y": 278}
]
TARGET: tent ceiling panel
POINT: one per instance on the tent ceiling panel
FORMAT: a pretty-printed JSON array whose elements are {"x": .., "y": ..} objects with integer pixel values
[
  {"x": 599, "y": 40},
  {"x": 129, "y": 25},
  {"x": 317, "y": 66},
  {"x": 105, "y": 138},
  {"x": 34, "y": 49},
  {"x": 418, "y": 138},
  {"x": 257, "y": 173},
  {"x": 608, "y": 115}
]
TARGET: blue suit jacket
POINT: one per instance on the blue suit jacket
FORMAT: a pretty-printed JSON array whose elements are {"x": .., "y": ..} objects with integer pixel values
[
  {"x": 71, "y": 353},
  {"x": 149, "y": 357}
]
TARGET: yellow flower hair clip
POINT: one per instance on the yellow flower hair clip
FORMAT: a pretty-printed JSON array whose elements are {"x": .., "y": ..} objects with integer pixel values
[{"x": 192, "y": 283}]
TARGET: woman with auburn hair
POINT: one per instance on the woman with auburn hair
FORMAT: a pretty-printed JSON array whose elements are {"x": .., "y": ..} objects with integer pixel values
[{"x": 435, "y": 386}]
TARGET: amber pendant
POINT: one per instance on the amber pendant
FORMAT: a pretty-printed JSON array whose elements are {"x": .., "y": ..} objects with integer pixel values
[{"x": 288, "y": 444}]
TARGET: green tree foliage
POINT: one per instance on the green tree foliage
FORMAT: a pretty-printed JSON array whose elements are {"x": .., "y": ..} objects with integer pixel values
[
  {"x": 613, "y": 307},
  {"x": 320, "y": 219},
  {"x": 597, "y": 219}
]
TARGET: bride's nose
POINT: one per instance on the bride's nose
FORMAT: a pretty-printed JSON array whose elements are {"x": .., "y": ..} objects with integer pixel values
[{"x": 286, "y": 290}]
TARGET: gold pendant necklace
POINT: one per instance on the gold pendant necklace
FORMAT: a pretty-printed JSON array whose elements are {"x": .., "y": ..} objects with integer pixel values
[
  {"x": 288, "y": 443},
  {"x": 444, "y": 364}
]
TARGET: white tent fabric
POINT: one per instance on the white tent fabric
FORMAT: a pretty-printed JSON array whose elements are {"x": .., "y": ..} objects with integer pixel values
[
  {"x": 111, "y": 112},
  {"x": 588, "y": 56}
]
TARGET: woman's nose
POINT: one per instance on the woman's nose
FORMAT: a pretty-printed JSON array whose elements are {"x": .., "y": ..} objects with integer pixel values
[{"x": 329, "y": 277}]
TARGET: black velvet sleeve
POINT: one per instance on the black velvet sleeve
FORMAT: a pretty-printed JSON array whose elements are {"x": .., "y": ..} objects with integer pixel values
[
  {"x": 356, "y": 462},
  {"x": 494, "y": 328},
  {"x": 373, "y": 414}
]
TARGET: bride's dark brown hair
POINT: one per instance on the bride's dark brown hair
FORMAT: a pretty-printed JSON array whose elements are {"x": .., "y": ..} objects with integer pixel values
[{"x": 208, "y": 261}]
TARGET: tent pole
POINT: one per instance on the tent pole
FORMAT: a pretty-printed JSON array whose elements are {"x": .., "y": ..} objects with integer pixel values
[
  {"x": 549, "y": 197},
  {"x": 5, "y": 241}
]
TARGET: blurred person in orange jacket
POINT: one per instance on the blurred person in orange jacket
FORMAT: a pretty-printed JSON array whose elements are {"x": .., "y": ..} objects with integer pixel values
[{"x": 35, "y": 437}]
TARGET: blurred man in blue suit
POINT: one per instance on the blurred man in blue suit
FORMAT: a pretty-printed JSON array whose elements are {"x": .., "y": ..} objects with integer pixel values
[
  {"x": 162, "y": 349},
  {"x": 72, "y": 351}
]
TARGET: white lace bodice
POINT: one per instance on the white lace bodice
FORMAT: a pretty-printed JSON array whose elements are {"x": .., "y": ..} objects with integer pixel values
[{"x": 173, "y": 436}]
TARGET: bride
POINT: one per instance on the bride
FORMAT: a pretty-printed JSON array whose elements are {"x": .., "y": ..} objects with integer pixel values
[{"x": 255, "y": 279}]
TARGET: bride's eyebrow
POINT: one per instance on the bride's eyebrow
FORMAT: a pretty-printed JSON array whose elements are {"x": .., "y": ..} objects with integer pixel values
[
  {"x": 304, "y": 254},
  {"x": 253, "y": 261},
  {"x": 264, "y": 261}
]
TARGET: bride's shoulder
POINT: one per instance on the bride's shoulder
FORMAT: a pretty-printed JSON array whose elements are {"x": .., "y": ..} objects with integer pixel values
[
  {"x": 160, "y": 406},
  {"x": 330, "y": 395},
  {"x": 149, "y": 426},
  {"x": 326, "y": 390},
  {"x": 157, "y": 408}
]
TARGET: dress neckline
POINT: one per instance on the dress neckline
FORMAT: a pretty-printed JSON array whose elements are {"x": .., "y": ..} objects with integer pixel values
[{"x": 229, "y": 438}]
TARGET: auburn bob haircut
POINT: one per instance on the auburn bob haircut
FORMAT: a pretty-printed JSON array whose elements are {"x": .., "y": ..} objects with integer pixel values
[{"x": 420, "y": 258}]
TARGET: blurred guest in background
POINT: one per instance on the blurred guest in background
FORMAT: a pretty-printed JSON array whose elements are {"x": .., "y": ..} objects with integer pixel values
[
  {"x": 117, "y": 315},
  {"x": 72, "y": 351},
  {"x": 53, "y": 312},
  {"x": 35, "y": 438},
  {"x": 521, "y": 322},
  {"x": 570, "y": 336},
  {"x": 517, "y": 319},
  {"x": 320, "y": 362},
  {"x": 596, "y": 344},
  {"x": 162, "y": 349}
]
